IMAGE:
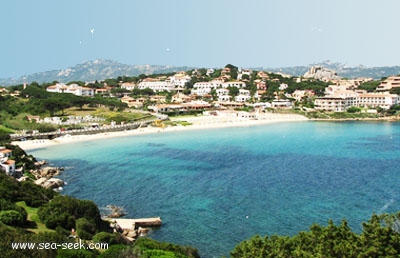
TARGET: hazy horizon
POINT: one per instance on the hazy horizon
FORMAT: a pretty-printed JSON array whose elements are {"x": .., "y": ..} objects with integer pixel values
[{"x": 50, "y": 35}]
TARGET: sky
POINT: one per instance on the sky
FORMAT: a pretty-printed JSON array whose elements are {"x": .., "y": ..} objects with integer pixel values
[{"x": 43, "y": 35}]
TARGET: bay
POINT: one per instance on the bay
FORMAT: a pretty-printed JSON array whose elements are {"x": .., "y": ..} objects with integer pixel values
[{"x": 215, "y": 188}]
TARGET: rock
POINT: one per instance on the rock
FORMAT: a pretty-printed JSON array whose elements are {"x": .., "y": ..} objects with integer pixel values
[
  {"x": 321, "y": 73},
  {"x": 143, "y": 231},
  {"x": 131, "y": 234},
  {"x": 40, "y": 181},
  {"x": 51, "y": 183},
  {"x": 40, "y": 163},
  {"x": 49, "y": 171},
  {"x": 22, "y": 179}
]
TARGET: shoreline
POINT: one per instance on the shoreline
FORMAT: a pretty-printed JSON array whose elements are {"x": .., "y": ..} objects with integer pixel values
[{"x": 197, "y": 123}]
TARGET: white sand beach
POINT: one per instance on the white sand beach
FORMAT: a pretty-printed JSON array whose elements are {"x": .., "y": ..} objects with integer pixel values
[{"x": 197, "y": 123}]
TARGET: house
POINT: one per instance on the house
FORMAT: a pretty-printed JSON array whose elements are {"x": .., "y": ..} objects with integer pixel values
[
  {"x": 261, "y": 85},
  {"x": 300, "y": 94},
  {"x": 237, "y": 84},
  {"x": 203, "y": 88},
  {"x": 332, "y": 103},
  {"x": 7, "y": 164},
  {"x": 132, "y": 102},
  {"x": 5, "y": 153},
  {"x": 244, "y": 95},
  {"x": 223, "y": 95},
  {"x": 389, "y": 83},
  {"x": 180, "y": 79},
  {"x": 156, "y": 85},
  {"x": 128, "y": 86},
  {"x": 73, "y": 88},
  {"x": 263, "y": 75},
  {"x": 242, "y": 72},
  {"x": 103, "y": 91},
  {"x": 281, "y": 103},
  {"x": 158, "y": 98},
  {"x": 180, "y": 98},
  {"x": 3, "y": 91}
]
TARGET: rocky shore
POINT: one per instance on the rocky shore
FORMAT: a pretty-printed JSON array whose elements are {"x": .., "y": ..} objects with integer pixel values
[{"x": 44, "y": 176}]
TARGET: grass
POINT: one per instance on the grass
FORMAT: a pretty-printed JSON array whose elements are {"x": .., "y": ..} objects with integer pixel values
[
  {"x": 106, "y": 113},
  {"x": 4, "y": 129},
  {"x": 34, "y": 223}
]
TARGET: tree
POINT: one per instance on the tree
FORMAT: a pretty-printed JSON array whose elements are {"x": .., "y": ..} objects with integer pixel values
[
  {"x": 12, "y": 218},
  {"x": 380, "y": 238},
  {"x": 233, "y": 91}
]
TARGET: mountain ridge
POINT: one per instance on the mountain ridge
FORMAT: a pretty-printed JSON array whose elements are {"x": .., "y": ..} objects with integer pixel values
[{"x": 100, "y": 69}]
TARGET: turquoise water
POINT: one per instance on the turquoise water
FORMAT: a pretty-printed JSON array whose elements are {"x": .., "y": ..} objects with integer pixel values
[{"x": 215, "y": 188}]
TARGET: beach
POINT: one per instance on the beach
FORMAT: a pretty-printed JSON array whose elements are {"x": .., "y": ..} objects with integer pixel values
[{"x": 196, "y": 123}]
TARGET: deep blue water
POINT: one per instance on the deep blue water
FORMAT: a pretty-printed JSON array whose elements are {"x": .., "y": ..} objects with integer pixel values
[{"x": 216, "y": 188}]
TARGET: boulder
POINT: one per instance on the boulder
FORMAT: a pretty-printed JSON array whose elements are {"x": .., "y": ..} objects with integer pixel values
[
  {"x": 49, "y": 171},
  {"x": 321, "y": 73},
  {"x": 51, "y": 183}
]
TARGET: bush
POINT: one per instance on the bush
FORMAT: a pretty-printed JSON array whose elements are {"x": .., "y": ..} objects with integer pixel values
[
  {"x": 12, "y": 218},
  {"x": 118, "y": 251},
  {"x": 72, "y": 253},
  {"x": 63, "y": 220},
  {"x": 63, "y": 211},
  {"x": 105, "y": 237},
  {"x": 85, "y": 229},
  {"x": 353, "y": 110}
]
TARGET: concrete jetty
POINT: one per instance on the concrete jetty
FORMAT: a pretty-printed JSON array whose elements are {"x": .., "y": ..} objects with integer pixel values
[
  {"x": 133, "y": 228},
  {"x": 132, "y": 224}
]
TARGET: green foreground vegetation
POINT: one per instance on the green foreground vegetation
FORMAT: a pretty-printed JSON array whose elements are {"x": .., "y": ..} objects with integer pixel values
[{"x": 380, "y": 237}]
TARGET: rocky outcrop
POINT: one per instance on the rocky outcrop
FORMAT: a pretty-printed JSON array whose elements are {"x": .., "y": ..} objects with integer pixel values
[
  {"x": 321, "y": 73},
  {"x": 46, "y": 172},
  {"x": 52, "y": 183},
  {"x": 44, "y": 177}
]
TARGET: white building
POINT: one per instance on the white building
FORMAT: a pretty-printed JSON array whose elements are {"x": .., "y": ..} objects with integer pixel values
[
  {"x": 237, "y": 84},
  {"x": 128, "y": 86},
  {"x": 7, "y": 164},
  {"x": 203, "y": 88},
  {"x": 73, "y": 88},
  {"x": 333, "y": 103},
  {"x": 340, "y": 103},
  {"x": 180, "y": 79},
  {"x": 156, "y": 85},
  {"x": 244, "y": 95},
  {"x": 389, "y": 83},
  {"x": 223, "y": 95},
  {"x": 374, "y": 100}
]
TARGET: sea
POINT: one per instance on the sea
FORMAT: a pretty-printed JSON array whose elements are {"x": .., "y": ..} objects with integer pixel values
[{"x": 217, "y": 187}]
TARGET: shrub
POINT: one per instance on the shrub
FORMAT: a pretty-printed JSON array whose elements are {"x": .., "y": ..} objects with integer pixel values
[
  {"x": 85, "y": 229},
  {"x": 353, "y": 110},
  {"x": 11, "y": 218},
  {"x": 105, "y": 237}
]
